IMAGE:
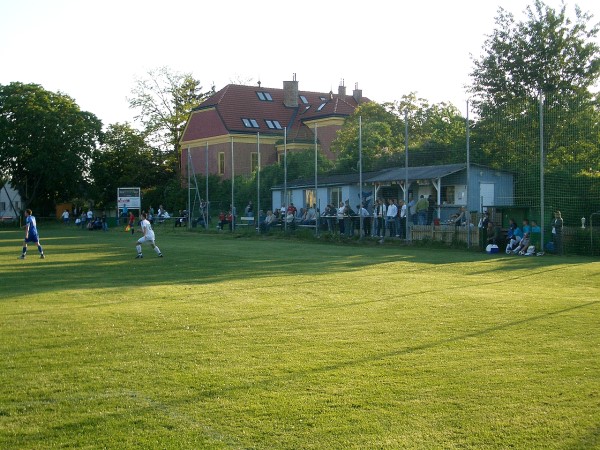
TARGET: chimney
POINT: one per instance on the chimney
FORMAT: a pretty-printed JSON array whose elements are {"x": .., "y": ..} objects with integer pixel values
[
  {"x": 357, "y": 93},
  {"x": 342, "y": 89},
  {"x": 290, "y": 93}
]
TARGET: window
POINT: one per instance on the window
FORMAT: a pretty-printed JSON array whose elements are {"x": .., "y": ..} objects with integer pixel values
[
  {"x": 321, "y": 106},
  {"x": 303, "y": 99},
  {"x": 221, "y": 163},
  {"x": 448, "y": 195},
  {"x": 335, "y": 196},
  {"x": 2, "y": 206},
  {"x": 309, "y": 198},
  {"x": 264, "y": 96},
  {"x": 253, "y": 161},
  {"x": 273, "y": 124},
  {"x": 250, "y": 123}
]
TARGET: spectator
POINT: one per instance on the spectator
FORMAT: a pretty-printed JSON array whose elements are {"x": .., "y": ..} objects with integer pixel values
[
  {"x": 65, "y": 217},
  {"x": 390, "y": 218},
  {"x": 340, "y": 217},
  {"x": 421, "y": 207},
  {"x": 366, "y": 218},
  {"x": 557, "y": 229},
  {"x": 430, "y": 209},
  {"x": 249, "y": 210},
  {"x": 403, "y": 216},
  {"x": 268, "y": 222},
  {"x": 493, "y": 234},
  {"x": 131, "y": 222},
  {"x": 379, "y": 213}
]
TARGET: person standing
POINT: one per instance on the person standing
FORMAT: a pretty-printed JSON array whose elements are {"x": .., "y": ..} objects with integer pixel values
[
  {"x": 557, "y": 229},
  {"x": 31, "y": 234},
  {"x": 422, "y": 207},
  {"x": 65, "y": 217},
  {"x": 131, "y": 223},
  {"x": 148, "y": 236},
  {"x": 390, "y": 218},
  {"x": 403, "y": 216}
]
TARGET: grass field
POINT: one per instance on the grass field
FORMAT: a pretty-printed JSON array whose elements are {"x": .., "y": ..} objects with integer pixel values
[{"x": 292, "y": 344}]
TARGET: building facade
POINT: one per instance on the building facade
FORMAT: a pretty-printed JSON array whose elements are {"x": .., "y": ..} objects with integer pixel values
[{"x": 241, "y": 127}]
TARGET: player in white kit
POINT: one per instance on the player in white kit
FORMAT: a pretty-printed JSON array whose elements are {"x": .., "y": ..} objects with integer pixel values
[{"x": 146, "y": 228}]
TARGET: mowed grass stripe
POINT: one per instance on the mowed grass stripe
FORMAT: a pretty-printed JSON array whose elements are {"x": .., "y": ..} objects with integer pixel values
[{"x": 267, "y": 343}]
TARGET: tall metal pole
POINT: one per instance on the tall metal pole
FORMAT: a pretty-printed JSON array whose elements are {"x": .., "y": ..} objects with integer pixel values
[
  {"x": 542, "y": 197},
  {"x": 258, "y": 183},
  {"x": 206, "y": 199},
  {"x": 360, "y": 179},
  {"x": 285, "y": 194},
  {"x": 316, "y": 184},
  {"x": 232, "y": 188},
  {"x": 406, "y": 174},
  {"x": 189, "y": 202},
  {"x": 468, "y": 179}
]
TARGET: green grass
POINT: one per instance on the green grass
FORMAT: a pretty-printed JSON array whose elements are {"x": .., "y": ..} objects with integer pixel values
[{"x": 269, "y": 343}]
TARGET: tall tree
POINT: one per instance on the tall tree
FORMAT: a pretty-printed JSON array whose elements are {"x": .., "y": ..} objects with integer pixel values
[
  {"x": 551, "y": 56},
  {"x": 164, "y": 100},
  {"x": 123, "y": 159},
  {"x": 382, "y": 135},
  {"x": 46, "y": 143}
]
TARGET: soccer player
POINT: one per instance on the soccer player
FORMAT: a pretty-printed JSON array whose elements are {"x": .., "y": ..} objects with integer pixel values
[
  {"x": 31, "y": 234},
  {"x": 146, "y": 228}
]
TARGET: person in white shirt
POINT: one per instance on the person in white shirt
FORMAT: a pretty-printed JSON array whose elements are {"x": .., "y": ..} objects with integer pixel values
[
  {"x": 390, "y": 218},
  {"x": 146, "y": 228},
  {"x": 403, "y": 215}
]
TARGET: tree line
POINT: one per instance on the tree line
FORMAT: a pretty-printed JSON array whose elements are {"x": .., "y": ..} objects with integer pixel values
[{"x": 52, "y": 151}]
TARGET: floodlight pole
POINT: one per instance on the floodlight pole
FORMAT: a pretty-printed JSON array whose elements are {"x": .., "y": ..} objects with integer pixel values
[
  {"x": 316, "y": 185},
  {"x": 284, "y": 218},
  {"x": 468, "y": 178},
  {"x": 542, "y": 198},
  {"x": 258, "y": 183},
  {"x": 232, "y": 189},
  {"x": 360, "y": 180},
  {"x": 206, "y": 212},
  {"x": 406, "y": 173}
]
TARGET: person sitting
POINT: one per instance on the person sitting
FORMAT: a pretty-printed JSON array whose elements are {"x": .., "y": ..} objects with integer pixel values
[
  {"x": 493, "y": 233},
  {"x": 522, "y": 246},
  {"x": 222, "y": 220},
  {"x": 269, "y": 220}
]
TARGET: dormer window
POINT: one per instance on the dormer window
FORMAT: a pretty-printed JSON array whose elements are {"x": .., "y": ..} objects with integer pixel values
[
  {"x": 264, "y": 96},
  {"x": 273, "y": 124},
  {"x": 250, "y": 123},
  {"x": 303, "y": 99},
  {"x": 321, "y": 106}
]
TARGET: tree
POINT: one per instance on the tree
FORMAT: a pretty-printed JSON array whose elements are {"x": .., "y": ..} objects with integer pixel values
[
  {"x": 436, "y": 131},
  {"x": 382, "y": 135},
  {"x": 165, "y": 100},
  {"x": 46, "y": 144},
  {"x": 123, "y": 159},
  {"x": 549, "y": 63},
  {"x": 548, "y": 53}
]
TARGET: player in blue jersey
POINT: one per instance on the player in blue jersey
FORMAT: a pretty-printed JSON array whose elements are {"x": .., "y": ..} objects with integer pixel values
[{"x": 31, "y": 234}]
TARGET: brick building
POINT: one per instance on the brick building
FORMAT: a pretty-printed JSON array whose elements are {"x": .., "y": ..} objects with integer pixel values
[{"x": 228, "y": 126}]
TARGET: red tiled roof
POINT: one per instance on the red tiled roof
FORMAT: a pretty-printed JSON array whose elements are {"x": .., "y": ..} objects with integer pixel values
[{"x": 236, "y": 102}]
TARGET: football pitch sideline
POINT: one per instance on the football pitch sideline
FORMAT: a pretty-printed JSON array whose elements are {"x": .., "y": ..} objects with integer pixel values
[{"x": 252, "y": 342}]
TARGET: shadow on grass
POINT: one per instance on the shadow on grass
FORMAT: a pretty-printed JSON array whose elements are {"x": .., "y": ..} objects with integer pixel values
[{"x": 78, "y": 259}]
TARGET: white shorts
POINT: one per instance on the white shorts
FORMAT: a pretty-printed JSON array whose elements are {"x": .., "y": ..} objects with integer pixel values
[{"x": 148, "y": 238}]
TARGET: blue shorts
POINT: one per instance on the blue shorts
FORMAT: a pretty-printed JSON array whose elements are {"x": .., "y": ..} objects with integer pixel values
[{"x": 33, "y": 237}]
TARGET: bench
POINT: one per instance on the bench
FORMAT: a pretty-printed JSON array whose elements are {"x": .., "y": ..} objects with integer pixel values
[{"x": 248, "y": 220}]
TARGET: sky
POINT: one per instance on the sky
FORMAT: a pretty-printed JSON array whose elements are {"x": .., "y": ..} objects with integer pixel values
[{"x": 95, "y": 51}]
